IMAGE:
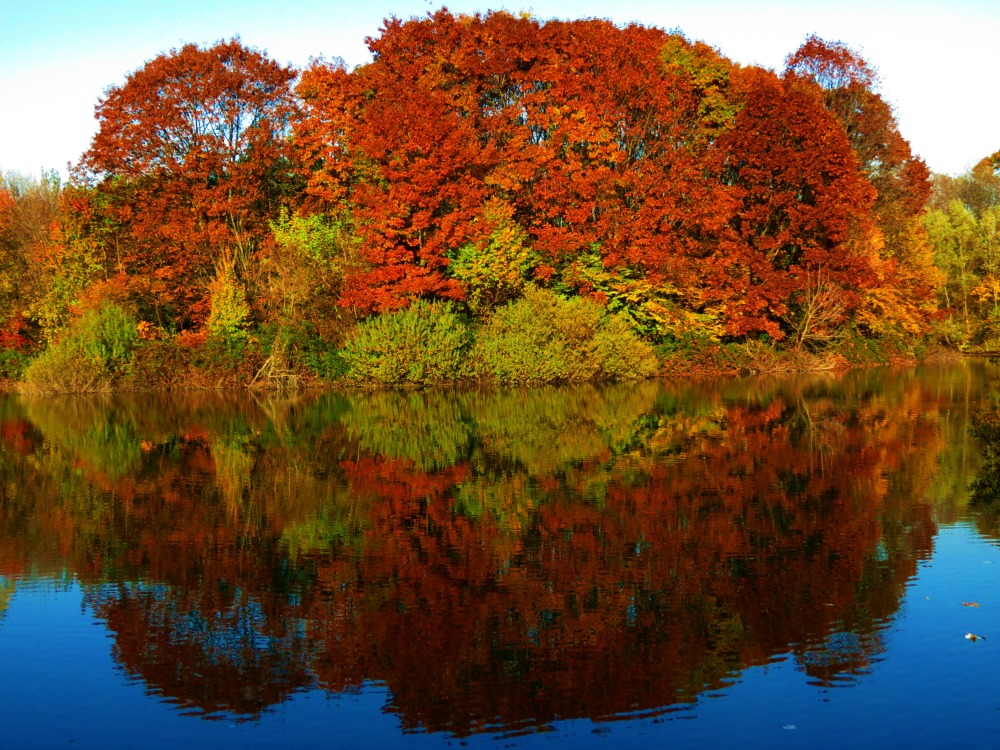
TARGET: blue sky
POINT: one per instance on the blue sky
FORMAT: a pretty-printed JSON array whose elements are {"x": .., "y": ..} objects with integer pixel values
[{"x": 938, "y": 60}]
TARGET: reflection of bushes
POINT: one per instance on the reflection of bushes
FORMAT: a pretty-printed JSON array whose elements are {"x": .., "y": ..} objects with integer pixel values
[
  {"x": 427, "y": 428},
  {"x": 984, "y": 493},
  {"x": 545, "y": 429},
  {"x": 334, "y": 526},
  {"x": 91, "y": 430},
  {"x": 234, "y": 462},
  {"x": 510, "y": 503},
  {"x": 543, "y": 338}
]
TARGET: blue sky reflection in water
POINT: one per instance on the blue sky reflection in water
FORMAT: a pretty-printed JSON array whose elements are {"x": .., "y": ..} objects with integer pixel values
[
  {"x": 60, "y": 684},
  {"x": 105, "y": 645}
]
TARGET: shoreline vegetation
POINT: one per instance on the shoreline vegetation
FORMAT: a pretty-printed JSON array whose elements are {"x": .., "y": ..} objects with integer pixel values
[{"x": 494, "y": 199}]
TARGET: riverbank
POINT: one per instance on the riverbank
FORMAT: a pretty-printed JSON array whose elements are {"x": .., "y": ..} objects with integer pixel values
[{"x": 166, "y": 368}]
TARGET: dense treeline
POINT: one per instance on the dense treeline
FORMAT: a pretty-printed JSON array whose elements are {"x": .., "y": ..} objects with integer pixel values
[
  {"x": 492, "y": 197},
  {"x": 963, "y": 220}
]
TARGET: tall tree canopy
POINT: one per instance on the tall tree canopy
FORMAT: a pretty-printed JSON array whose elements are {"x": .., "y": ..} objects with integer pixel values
[
  {"x": 905, "y": 293},
  {"x": 579, "y": 130},
  {"x": 189, "y": 164},
  {"x": 631, "y": 162}
]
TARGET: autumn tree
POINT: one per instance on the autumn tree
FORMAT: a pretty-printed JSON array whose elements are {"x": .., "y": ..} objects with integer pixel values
[
  {"x": 801, "y": 223},
  {"x": 190, "y": 162},
  {"x": 478, "y": 153},
  {"x": 903, "y": 299},
  {"x": 978, "y": 188},
  {"x": 509, "y": 146},
  {"x": 29, "y": 208}
]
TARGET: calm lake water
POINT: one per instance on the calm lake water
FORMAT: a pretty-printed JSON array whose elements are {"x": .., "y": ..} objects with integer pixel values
[{"x": 744, "y": 563}]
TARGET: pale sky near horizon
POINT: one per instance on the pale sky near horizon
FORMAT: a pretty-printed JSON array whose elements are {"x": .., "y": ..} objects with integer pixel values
[{"x": 937, "y": 59}]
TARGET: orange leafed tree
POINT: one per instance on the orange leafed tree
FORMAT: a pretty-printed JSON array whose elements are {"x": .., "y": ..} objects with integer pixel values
[
  {"x": 803, "y": 208},
  {"x": 191, "y": 161},
  {"x": 727, "y": 191},
  {"x": 584, "y": 134},
  {"x": 904, "y": 295}
]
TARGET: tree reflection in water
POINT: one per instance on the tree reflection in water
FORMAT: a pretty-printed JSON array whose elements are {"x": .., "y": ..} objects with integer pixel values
[{"x": 497, "y": 559}]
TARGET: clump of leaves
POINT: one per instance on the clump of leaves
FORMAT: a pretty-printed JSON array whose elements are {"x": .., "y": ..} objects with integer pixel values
[
  {"x": 230, "y": 314},
  {"x": 423, "y": 344},
  {"x": 495, "y": 272},
  {"x": 543, "y": 338},
  {"x": 92, "y": 353}
]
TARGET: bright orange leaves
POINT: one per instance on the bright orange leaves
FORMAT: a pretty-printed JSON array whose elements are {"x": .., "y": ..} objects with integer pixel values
[
  {"x": 190, "y": 162},
  {"x": 730, "y": 187},
  {"x": 724, "y": 192}
]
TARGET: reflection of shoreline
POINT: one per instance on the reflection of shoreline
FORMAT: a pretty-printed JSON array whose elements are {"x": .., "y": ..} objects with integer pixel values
[{"x": 588, "y": 552}]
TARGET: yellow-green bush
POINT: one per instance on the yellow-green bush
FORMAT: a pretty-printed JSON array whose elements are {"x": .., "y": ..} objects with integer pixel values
[
  {"x": 90, "y": 355},
  {"x": 543, "y": 338},
  {"x": 425, "y": 343}
]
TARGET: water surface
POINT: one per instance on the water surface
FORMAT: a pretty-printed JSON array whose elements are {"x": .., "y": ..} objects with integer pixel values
[{"x": 762, "y": 563}]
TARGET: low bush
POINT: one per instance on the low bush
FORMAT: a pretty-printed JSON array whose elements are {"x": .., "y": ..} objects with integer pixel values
[
  {"x": 223, "y": 362},
  {"x": 61, "y": 369},
  {"x": 158, "y": 364},
  {"x": 543, "y": 338},
  {"x": 92, "y": 354},
  {"x": 423, "y": 344},
  {"x": 298, "y": 347}
]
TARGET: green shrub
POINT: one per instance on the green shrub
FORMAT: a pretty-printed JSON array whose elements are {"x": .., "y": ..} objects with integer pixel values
[
  {"x": 300, "y": 347},
  {"x": 13, "y": 363},
  {"x": 425, "y": 343},
  {"x": 543, "y": 338},
  {"x": 107, "y": 336},
  {"x": 622, "y": 355},
  {"x": 91, "y": 354},
  {"x": 229, "y": 317},
  {"x": 227, "y": 361},
  {"x": 62, "y": 370},
  {"x": 157, "y": 363}
]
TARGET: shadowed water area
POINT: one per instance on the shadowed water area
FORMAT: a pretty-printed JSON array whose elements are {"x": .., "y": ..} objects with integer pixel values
[{"x": 759, "y": 562}]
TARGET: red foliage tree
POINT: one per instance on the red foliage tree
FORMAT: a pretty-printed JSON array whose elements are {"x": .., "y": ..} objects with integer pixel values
[
  {"x": 584, "y": 129},
  {"x": 191, "y": 161},
  {"x": 900, "y": 179},
  {"x": 803, "y": 208}
]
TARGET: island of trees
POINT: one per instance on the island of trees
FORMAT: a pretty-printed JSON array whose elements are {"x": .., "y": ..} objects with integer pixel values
[{"x": 492, "y": 198}]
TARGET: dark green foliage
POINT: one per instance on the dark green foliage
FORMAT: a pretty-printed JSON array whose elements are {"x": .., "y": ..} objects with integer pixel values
[
  {"x": 984, "y": 492},
  {"x": 12, "y": 363},
  {"x": 159, "y": 363},
  {"x": 227, "y": 361},
  {"x": 300, "y": 347},
  {"x": 108, "y": 336}
]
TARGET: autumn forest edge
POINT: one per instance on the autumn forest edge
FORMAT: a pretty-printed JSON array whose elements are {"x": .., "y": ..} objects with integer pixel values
[{"x": 495, "y": 199}]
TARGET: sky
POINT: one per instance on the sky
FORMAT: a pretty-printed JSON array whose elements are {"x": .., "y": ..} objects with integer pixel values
[{"x": 937, "y": 59}]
